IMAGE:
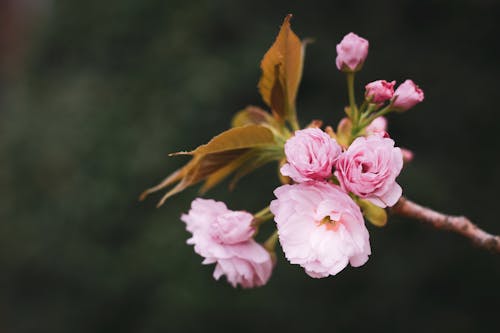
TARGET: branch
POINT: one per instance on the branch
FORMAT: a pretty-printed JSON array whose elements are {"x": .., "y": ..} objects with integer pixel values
[{"x": 458, "y": 224}]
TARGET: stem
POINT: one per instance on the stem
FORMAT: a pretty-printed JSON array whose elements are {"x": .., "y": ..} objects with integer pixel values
[
  {"x": 352, "y": 98},
  {"x": 270, "y": 243},
  {"x": 262, "y": 216},
  {"x": 262, "y": 212},
  {"x": 457, "y": 224},
  {"x": 293, "y": 121}
]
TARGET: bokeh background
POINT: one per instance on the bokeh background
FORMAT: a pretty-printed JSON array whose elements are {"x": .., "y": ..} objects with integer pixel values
[{"x": 94, "y": 94}]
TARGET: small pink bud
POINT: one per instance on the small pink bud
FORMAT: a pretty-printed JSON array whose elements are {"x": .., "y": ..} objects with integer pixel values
[
  {"x": 379, "y": 91},
  {"x": 351, "y": 53},
  {"x": 407, "y": 95},
  {"x": 377, "y": 127},
  {"x": 407, "y": 155}
]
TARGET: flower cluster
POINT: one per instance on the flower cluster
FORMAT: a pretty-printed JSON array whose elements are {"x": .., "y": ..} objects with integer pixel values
[{"x": 332, "y": 180}]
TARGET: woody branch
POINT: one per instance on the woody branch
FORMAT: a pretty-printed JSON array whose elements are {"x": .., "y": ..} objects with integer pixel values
[{"x": 458, "y": 224}]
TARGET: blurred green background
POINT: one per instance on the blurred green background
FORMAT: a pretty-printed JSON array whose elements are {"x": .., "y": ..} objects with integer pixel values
[{"x": 94, "y": 94}]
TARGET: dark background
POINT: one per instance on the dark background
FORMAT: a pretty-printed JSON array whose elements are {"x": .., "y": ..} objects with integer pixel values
[{"x": 94, "y": 94}]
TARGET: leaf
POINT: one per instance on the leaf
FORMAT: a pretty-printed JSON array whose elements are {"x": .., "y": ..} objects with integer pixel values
[
  {"x": 282, "y": 71},
  {"x": 215, "y": 160},
  {"x": 329, "y": 130},
  {"x": 376, "y": 215},
  {"x": 252, "y": 115},
  {"x": 235, "y": 138},
  {"x": 257, "y": 158},
  {"x": 219, "y": 175},
  {"x": 344, "y": 132}
]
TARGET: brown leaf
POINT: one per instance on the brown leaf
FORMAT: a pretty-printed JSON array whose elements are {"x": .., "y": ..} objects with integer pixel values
[
  {"x": 282, "y": 71},
  {"x": 252, "y": 115},
  {"x": 236, "y": 138},
  {"x": 256, "y": 159},
  {"x": 215, "y": 160}
]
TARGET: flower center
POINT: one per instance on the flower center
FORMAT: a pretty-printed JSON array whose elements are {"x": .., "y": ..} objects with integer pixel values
[{"x": 329, "y": 223}]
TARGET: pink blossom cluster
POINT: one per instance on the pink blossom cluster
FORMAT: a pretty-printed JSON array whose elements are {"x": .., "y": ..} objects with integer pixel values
[
  {"x": 319, "y": 221},
  {"x": 320, "y": 226}
]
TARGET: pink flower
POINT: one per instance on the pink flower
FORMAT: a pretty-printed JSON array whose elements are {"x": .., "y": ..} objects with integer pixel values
[
  {"x": 408, "y": 95},
  {"x": 224, "y": 237},
  {"x": 311, "y": 154},
  {"x": 379, "y": 91},
  {"x": 351, "y": 53},
  {"x": 377, "y": 127},
  {"x": 369, "y": 169},
  {"x": 320, "y": 228}
]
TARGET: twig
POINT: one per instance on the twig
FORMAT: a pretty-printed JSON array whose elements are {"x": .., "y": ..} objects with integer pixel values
[{"x": 458, "y": 224}]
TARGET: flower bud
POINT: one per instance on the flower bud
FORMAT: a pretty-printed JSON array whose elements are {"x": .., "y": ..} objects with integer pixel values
[
  {"x": 379, "y": 91},
  {"x": 377, "y": 127},
  {"x": 407, "y": 95},
  {"x": 351, "y": 53},
  {"x": 407, "y": 155}
]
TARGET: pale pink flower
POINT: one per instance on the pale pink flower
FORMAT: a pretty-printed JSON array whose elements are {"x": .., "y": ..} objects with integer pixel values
[
  {"x": 320, "y": 228},
  {"x": 311, "y": 155},
  {"x": 379, "y": 91},
  {"x": 369, "y": 167},
  {"x": 224, "y": 237},
  {"x": 407, "y": 95},
  {"x": 351, "y": 53},
  {"x": 377, "y": 127}
]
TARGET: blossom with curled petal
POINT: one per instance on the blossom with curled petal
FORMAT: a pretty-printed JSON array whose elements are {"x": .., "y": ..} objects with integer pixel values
[
  {"x": 224, "y": 237},
  {"x": 320, "y": 228}
]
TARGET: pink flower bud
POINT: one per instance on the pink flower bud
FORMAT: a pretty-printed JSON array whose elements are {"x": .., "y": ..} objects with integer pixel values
[
  {"x": 407, "y": 155},
  {"x": 407, "y": 95},
  {"x": 377, "y": 127},
  {"x": 379, "y": 91},
  {"x": 351, "y": 53}
]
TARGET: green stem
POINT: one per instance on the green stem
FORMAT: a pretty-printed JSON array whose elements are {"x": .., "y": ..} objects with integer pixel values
[
  {"x": 380, "y": 113},
  {"x": 262, "y": 212},
  {"x": 362, "y": 108},
  {"x": 293, "y": 120},
  {"x": 352, "y": 98},
  {"x": 262, "y": 216},
  {"x": 270, "y": 243}
]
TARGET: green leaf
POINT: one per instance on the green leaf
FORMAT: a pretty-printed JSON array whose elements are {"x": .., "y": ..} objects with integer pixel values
[{"x": 376, "y": 215}]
